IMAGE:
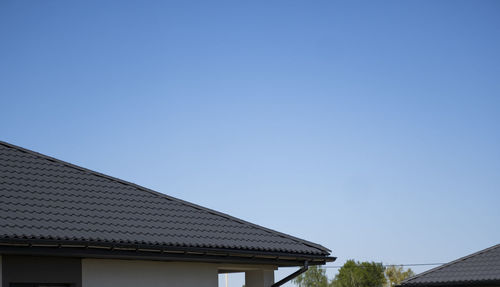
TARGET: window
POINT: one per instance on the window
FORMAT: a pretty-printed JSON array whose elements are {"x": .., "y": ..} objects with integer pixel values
[{"x": 38, "y": 285}]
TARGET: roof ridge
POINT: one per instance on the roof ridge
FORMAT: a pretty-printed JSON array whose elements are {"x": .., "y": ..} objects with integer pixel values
[
  {"x": 450, "y": 263},
  {"x": 168, "y": 197}
]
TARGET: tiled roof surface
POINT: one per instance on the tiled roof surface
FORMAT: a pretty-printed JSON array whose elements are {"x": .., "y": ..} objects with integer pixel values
[
  {"x": 42, "y": 198},
  {"x": 482, "y": 267}
]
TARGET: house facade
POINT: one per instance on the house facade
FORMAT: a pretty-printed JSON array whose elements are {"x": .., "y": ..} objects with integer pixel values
[{"x": 64, "y": 225}]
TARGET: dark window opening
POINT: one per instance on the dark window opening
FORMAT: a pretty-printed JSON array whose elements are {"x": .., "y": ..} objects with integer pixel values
[{"x": 39, "y": 285}]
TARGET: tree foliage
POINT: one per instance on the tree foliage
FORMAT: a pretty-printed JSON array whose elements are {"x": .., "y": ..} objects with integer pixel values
[
  {"x": 396, "y": 274},
  {"x": 360, "y": 274},
  {"x": 314, "y": 277},
  {"x": 355, "y": 274}
]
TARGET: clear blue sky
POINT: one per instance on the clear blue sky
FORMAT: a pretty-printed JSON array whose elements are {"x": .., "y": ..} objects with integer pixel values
[{"x": 370, "y": 127}]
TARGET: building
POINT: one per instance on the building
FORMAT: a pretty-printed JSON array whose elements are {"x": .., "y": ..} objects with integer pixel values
[
  {"x": 64, "y": 225},
  {"x": 479, "y": 269}
]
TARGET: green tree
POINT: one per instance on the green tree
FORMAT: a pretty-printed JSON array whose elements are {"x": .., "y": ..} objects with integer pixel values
[
  {"x": 314, "y": 277},
  {"x": 396, "y": 274},
  {"x": 360, "y": 274}
]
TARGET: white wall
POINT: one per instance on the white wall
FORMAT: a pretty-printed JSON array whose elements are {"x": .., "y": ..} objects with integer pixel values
[
  {"x": 134, "y": 273},
  {"x": 259, "y": 278}
]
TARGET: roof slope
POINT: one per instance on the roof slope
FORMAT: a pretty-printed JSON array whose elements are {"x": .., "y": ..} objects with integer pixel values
[
  {"x": 482, "y": 267},
  {"x": 42, "y": 198}
]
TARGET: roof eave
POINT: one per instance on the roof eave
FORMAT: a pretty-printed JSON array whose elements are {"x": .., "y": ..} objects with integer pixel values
[
  {"x": 495, "y": 282},
  {"x": 157, "y": 253}
]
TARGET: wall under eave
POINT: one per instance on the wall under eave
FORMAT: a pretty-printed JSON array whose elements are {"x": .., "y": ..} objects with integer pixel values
[{"x": 133, "y": 273}]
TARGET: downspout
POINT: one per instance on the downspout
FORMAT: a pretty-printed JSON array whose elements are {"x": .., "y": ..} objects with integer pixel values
[{"x": 293, "y": 275}]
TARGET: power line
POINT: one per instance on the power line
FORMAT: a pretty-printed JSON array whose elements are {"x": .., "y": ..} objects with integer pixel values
[{"x": 389, "y": 265}]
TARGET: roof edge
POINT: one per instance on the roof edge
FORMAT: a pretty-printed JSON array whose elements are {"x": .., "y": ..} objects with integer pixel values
[
  {"x": 154, "y": 252},
  {"x": 325, "y": 250},
  {"x": 407, "y": 282},
  {"x": 488, "y": 283}
]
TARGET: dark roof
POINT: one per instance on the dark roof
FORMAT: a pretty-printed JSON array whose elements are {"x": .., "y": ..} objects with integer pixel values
[
  {"x": 46, "y": 199},
  {"x": 480, "y": 268}
]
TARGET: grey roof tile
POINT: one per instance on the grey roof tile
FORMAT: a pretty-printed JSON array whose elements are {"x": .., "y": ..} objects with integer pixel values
[
  {"x": 44, "y": 198},
  {"x": 482, "y": 267}
]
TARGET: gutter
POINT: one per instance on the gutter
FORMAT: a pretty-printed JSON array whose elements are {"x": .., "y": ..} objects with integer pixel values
[
  {"x": 156, "y": 253},
  {"x": 293, "y": 275},
  {"x": 89, "y": 246}
]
